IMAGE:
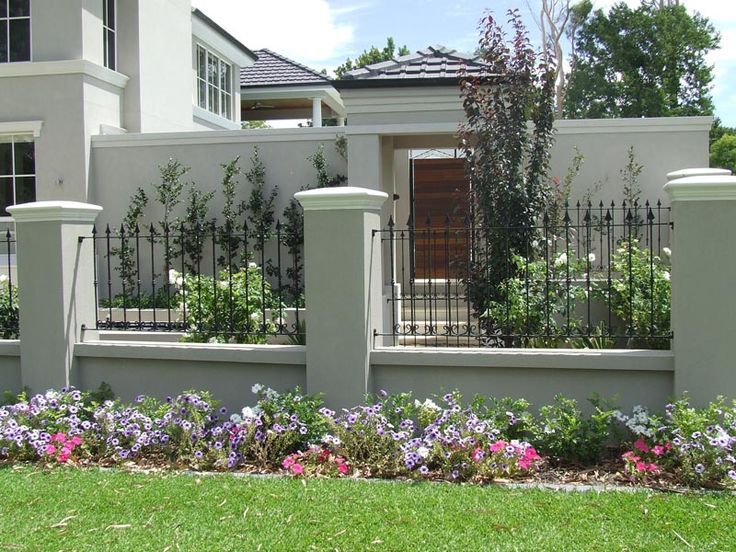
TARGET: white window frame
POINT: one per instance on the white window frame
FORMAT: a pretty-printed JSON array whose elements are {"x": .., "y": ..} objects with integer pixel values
[
  {"x": 107, "y": 29},
  {"x": 6, "y": 21},
  {"x": 225, "y": 98},
  {"x": 26, "y": 137}
]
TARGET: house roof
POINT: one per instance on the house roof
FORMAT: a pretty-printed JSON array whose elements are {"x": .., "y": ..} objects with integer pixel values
[
  {"x": 226, "y": 35},
  {"x": 433, "y": 65},
  {"x": 272, "y": 69}
]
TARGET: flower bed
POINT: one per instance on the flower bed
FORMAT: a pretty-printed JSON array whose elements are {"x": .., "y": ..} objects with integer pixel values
[{"x": 391, "y": 436}]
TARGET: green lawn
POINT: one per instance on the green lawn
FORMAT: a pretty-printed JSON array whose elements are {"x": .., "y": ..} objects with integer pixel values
[{"x": 70, "y": 509}]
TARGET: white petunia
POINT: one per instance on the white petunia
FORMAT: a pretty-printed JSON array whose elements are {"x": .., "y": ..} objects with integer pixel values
[
  {"x": 667, "y": 251},
  {"x": 591, "y": 257},
  {"x": 423, "y": 452},
  {"x": 561, "y": 259},
  {"x": 666, "y": 276}
]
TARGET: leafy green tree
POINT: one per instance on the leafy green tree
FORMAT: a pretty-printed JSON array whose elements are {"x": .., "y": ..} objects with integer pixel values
[
  {"x": 643, "y": 62},
  {"x": 723, "y": 152},
  {"x": 372, "y": 55}
]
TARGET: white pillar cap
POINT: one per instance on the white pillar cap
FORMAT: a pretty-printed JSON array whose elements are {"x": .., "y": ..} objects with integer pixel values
[
  {"x": 702, "y": 188},
  {"x": 686, "y": 173},
  {"x": 54, "y": 211},
  {"x": 341, "y": 198}
]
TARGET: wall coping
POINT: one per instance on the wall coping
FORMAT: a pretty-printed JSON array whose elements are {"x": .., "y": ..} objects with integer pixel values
[
  {"x": 205, "y": 137},
  {"x": 341, "y": 198},
  {"x": 63, "y": 67},
  {"x": 686, "y": 173},
  {"x": 21, "y": 127},
  {"x": 637, "y": 360},
  {"x": 702, "y": 188},
  {"x": 197, "y": 352},
  {"x": 55, "y": 211},
  {"x": 10, "y": 347}
]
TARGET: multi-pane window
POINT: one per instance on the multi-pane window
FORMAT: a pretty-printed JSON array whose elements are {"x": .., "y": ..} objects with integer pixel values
[
  {"x": 108, "y": 32},
  {"x": 15, "y": 30},
  {"x": 17, "y": 171},
  {"x": 214, "y": 84}
]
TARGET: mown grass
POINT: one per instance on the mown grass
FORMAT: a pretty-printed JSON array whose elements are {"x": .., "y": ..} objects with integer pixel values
[{"x": 71, "y": 509}]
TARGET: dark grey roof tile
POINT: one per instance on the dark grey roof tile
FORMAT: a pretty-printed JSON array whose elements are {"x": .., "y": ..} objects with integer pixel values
[{"x": 272, "y": 69}]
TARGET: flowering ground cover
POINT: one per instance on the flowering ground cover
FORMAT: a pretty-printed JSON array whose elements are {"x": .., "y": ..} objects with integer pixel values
[
  {"x": 88, "y": 509},
  {"x": 390, "y": 436}
]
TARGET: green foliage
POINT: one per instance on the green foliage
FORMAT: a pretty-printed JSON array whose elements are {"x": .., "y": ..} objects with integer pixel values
[
  {"x": 511, "y": 416},
  {"x": 561, "y": 189},
  {"x": 261, "y": 205},
  {"x": 251, "y": 125},
  {"x": 226, "y": 310},
  {"x": 197, "y": 227},
  {"x": 640, "y": 293},
  {"x": 124, "y": 252},
  {"x": 723, "y": 152},
  {"x": 507, "y": 165},
  {"x": 168, "y": 191},
  {"x": 227, "y": 237},
  {"x": 542, "y": 307},
  {"x": 9, "y": 314},
  {"x": 649, "y": 61},
  {"x": 164, "y": 298},
  {"x": 564, "y": 433},
  {"x": 370, "y": 56}
]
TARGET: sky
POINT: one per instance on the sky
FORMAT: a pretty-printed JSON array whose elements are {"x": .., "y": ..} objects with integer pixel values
[{"x": 322, "y": 33}]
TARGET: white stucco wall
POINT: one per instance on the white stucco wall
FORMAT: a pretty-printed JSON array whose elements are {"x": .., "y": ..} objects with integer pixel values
[{"x": 122, "y": 163}]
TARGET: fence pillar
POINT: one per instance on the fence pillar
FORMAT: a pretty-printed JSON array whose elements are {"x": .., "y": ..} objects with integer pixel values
[
  {"x": 703, "y": 274},
  {"x": 55, "y": 279},
  {"x": 343, "y": 289}
]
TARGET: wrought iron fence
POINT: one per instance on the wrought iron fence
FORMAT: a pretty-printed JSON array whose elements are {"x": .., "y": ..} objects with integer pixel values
[
  {"x": 584, "y": 276},
  {"x": 9, "y": 320},
  {"x": 214, "y": 283}
]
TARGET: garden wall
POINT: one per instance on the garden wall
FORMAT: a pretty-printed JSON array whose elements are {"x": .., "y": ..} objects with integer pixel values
[
  {"x": 163, "y": 369},
  {"x": 10, "y": 374},
  {"x": 122, "y": 163},
  {"x": 631, "y": 377}
]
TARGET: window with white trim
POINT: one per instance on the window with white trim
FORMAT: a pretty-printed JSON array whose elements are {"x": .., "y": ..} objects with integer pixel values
[
  {"x": 15, "y": 30},
  {"x": 214, "y": 84},
  {"x": 17, "y": 171},
  {"x": 109, "y": 36}
]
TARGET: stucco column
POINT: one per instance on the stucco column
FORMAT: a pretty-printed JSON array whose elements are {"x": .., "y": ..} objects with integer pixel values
[
  {"x": 342, "y": 261},
  {"x": 703, "y": 276},
  {"x": 56, "y": 293},
  {"x": 316, "y": 112}
]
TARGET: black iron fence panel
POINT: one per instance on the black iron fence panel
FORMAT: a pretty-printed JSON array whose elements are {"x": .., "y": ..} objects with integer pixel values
[
  {"x": 9, "y": 314},
  {"x": 583, "y": 276},
  {"x": 214, "y": 283}
]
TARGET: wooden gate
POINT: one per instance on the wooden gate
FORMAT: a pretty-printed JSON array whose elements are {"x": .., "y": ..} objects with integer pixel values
[{"x": 440, "y": 190}]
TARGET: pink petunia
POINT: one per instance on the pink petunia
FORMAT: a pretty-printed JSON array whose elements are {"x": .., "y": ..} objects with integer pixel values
[
  {"x": 297, "y": 468},
  {"x": 641, "y": 466},
  {"x": 641, "y": 445},
  {"x": 658, "y": 450},
  {"x": 59, "y": 438},
  {"x": 652, "y": 467},
  {"x": 630, "y": 456},
  {"x": 76, "y": 440},
  {"x": 288, "y": 462},
  {"x": 50, "y": 449},
  {"x": 342, "y": 468},
  {"x": 497, "y": 446},
  {"x": 478, "y": 454}
]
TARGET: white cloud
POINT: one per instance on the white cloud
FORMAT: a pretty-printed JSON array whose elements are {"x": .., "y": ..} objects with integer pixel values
[{"x": 309, "y": 31}]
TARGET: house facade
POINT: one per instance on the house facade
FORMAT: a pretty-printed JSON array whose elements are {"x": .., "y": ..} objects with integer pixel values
[{"x": 80, "y": 68}]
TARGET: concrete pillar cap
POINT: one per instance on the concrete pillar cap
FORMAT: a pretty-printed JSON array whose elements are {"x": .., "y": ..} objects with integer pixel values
[
  {"x": 685, "y": 173},
  {"x": 341, "y": 198},
  {"x": 55, "y": 211},
  {"x": 702, "y": 188}
]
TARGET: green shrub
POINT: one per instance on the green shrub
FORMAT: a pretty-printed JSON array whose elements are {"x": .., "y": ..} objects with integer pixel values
[
  {"x": 228, "y": 309},
  {"x": 564, "y": 433},
  {"x": 8, "y": 311}
]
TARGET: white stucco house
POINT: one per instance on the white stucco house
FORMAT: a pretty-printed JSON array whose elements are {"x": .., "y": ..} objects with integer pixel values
[{"x": 97, "y": 93}]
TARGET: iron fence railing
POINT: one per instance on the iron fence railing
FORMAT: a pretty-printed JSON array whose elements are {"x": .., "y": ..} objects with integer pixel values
[
  {"x": 583, "y": 276},
  {"x": 9, "y": 314},
  {"x": 212, "y": 282}
]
